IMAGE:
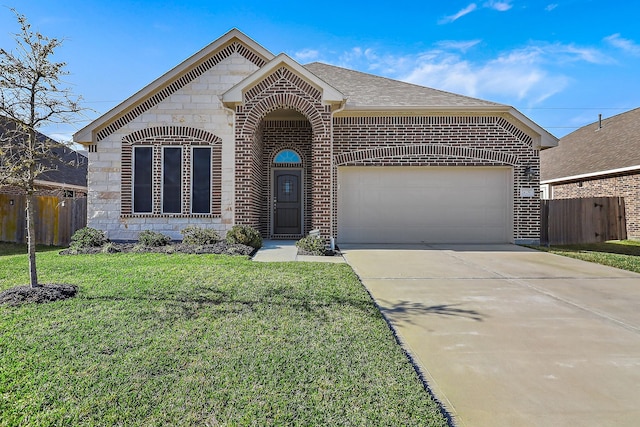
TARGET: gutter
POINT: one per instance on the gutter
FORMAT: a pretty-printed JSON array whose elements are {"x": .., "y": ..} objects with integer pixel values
[{"x": 591, "y": 175}]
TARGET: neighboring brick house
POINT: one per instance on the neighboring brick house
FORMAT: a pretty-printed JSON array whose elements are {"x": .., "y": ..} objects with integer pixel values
[
  {"x": 236, "y": 135},
  {"x": 598, "y": 160}
]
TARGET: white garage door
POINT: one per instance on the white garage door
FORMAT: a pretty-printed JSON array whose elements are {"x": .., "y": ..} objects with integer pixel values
[{"x": 425, "y": 204}]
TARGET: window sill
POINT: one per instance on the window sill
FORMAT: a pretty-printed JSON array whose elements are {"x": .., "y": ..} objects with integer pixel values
[{"x": 151, "y": 215}]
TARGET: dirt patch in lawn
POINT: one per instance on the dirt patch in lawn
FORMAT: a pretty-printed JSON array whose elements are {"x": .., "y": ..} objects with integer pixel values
[{"x": 39, "y": 294}]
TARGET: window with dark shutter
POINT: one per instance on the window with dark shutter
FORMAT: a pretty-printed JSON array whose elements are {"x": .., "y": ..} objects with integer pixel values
[
  {"x": 143, "y": 179},
  {"x": 201, "y": 180},
  {"x": 172, "y": 180}
]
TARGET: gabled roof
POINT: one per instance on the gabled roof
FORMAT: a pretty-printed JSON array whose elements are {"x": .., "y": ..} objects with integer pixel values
[
  {"x": 330, "y": 94},
  {"x": 368, "y": 91},
  {"x": 362, "y": 92},
  {"x": 68, "y": 167},
  {"x": 169, "y": 81},
  {"x": 593, "y": 150}
]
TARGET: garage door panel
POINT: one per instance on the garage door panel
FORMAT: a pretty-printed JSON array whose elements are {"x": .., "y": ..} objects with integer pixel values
[{"x": 420, "y": 204}]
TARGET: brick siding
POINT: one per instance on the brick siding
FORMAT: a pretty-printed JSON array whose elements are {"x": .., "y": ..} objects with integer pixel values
[
  {"x": 282, "y": 89},
  {"x": 444, "y": 141},
  {"x": 173, "y": 136},
  {"x": 627, "y": 186}
]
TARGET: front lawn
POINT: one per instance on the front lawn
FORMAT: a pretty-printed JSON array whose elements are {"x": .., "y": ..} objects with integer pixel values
[
  {"x": 624, "y": 254},
  {"x": 207, "y": 340}
]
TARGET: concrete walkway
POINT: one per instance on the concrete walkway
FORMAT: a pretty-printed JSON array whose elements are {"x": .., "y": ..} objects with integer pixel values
[
  {"x": 286, "y": 250},
  {"x": 508, "y": 336}
]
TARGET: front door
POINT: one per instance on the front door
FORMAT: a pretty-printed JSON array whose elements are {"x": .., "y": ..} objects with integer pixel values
[{"x": 287, "y": 202}]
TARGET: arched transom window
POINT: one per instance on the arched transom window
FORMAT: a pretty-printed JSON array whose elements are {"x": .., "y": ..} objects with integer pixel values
[{"x": 287, "y": 156}]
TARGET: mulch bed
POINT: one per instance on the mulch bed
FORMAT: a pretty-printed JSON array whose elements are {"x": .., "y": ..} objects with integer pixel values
[
  {"x": 220, "y": 248},
  {"x": 39, "y": 294},
  {"x": 328, "y": 252}
]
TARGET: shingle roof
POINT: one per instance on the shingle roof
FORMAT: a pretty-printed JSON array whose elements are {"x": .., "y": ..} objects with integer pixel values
[
  {"x": 367, "y": 90},
  {"x": 62, "y": 170},
  {"x": 591, "y": 149}
]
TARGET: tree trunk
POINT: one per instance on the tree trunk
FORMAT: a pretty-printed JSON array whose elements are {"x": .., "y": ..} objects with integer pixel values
[{"x": 31, "y": 240}]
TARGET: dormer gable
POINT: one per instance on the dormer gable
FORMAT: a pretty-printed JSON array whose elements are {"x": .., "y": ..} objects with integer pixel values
[{"x": 329, "y": 95}]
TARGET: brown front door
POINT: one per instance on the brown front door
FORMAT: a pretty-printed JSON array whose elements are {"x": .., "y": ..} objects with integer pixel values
[{"x": 287, "y": 202}]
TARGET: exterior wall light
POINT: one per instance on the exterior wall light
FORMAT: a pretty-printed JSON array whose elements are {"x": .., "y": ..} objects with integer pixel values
[{"x": 529, "y": 174}]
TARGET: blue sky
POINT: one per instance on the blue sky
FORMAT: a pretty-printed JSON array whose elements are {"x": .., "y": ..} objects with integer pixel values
[{"x": 560, "y": 62}]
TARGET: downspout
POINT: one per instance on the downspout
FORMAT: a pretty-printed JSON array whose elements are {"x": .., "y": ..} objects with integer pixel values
[{"x": 332, "y": 238}]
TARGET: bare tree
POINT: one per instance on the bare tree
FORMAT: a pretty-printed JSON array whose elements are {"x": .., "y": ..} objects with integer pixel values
[{"x": 32, "y": 94}]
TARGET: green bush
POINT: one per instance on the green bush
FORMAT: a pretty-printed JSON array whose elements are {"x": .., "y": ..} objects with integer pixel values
[
  {"x": 314, "y": 245},
  {"x": 193, "y": 235},
  {"x": 244, "y": 235},
  {"x": 88, "y": 237},
  {"x": 153, "y": 238}
]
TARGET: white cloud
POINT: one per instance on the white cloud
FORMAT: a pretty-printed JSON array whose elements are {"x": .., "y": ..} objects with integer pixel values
[
  {"x": 524, "y": 76},
  {"x": 514, "y": 75},
  {"x": 467, "y": 10},
  {"x": 500, "y": 6},
  {"x": 306, "y": 55},
  {"x": 462, "y": 46},
  {"x": 551, "y": 7},
  {"x": 626, "y": 45}
]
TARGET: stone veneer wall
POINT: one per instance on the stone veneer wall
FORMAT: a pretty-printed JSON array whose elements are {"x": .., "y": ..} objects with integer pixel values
[
  {"x": 627, "y": 186},
  {"x": 445, "y": 141},
  {"x": 190, "y": 103}
]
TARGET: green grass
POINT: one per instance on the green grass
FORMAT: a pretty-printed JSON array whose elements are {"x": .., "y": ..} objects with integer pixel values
[
  {"x": 173, "y": 340},
  {"x": 624, "y": 254}
]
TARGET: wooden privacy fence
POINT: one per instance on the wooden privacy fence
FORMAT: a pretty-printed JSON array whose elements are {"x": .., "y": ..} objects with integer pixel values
[
  {"x": 57, "y": 218},
  {"x": 588, "y": 220}
]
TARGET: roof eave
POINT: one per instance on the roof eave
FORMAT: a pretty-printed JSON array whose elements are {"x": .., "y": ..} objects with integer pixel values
[
  {"x": 590, "y": 175},
  {"x": 60, "y": 185},
  {"x": 85, "y": 136},
  {"x": 544, "y": 139}
]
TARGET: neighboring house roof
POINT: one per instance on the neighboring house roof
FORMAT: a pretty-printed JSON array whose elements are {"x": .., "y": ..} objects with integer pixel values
[
  {"x": 68, "y": 170},
  {"x": 593, "y": 150},
  {"x": 71, "y": 170}
]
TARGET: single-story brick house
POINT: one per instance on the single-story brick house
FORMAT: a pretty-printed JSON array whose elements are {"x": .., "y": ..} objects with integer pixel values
[
  {"x": 237, "y": 135},
  {"x": 601, "y": 159}
]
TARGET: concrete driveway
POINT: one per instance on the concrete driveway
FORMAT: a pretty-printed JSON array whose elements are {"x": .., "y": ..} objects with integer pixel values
[{"x": 508, "y": 336}]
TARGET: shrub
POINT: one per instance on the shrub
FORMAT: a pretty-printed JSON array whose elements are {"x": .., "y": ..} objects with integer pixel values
[
  {"x": 193, "y": 235},
  {"x": 153, "y": 238},
  {"x": 314, "y": 245},
  {"x": 245, "y": 235},
  {"x": 88, "y": 237}
]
